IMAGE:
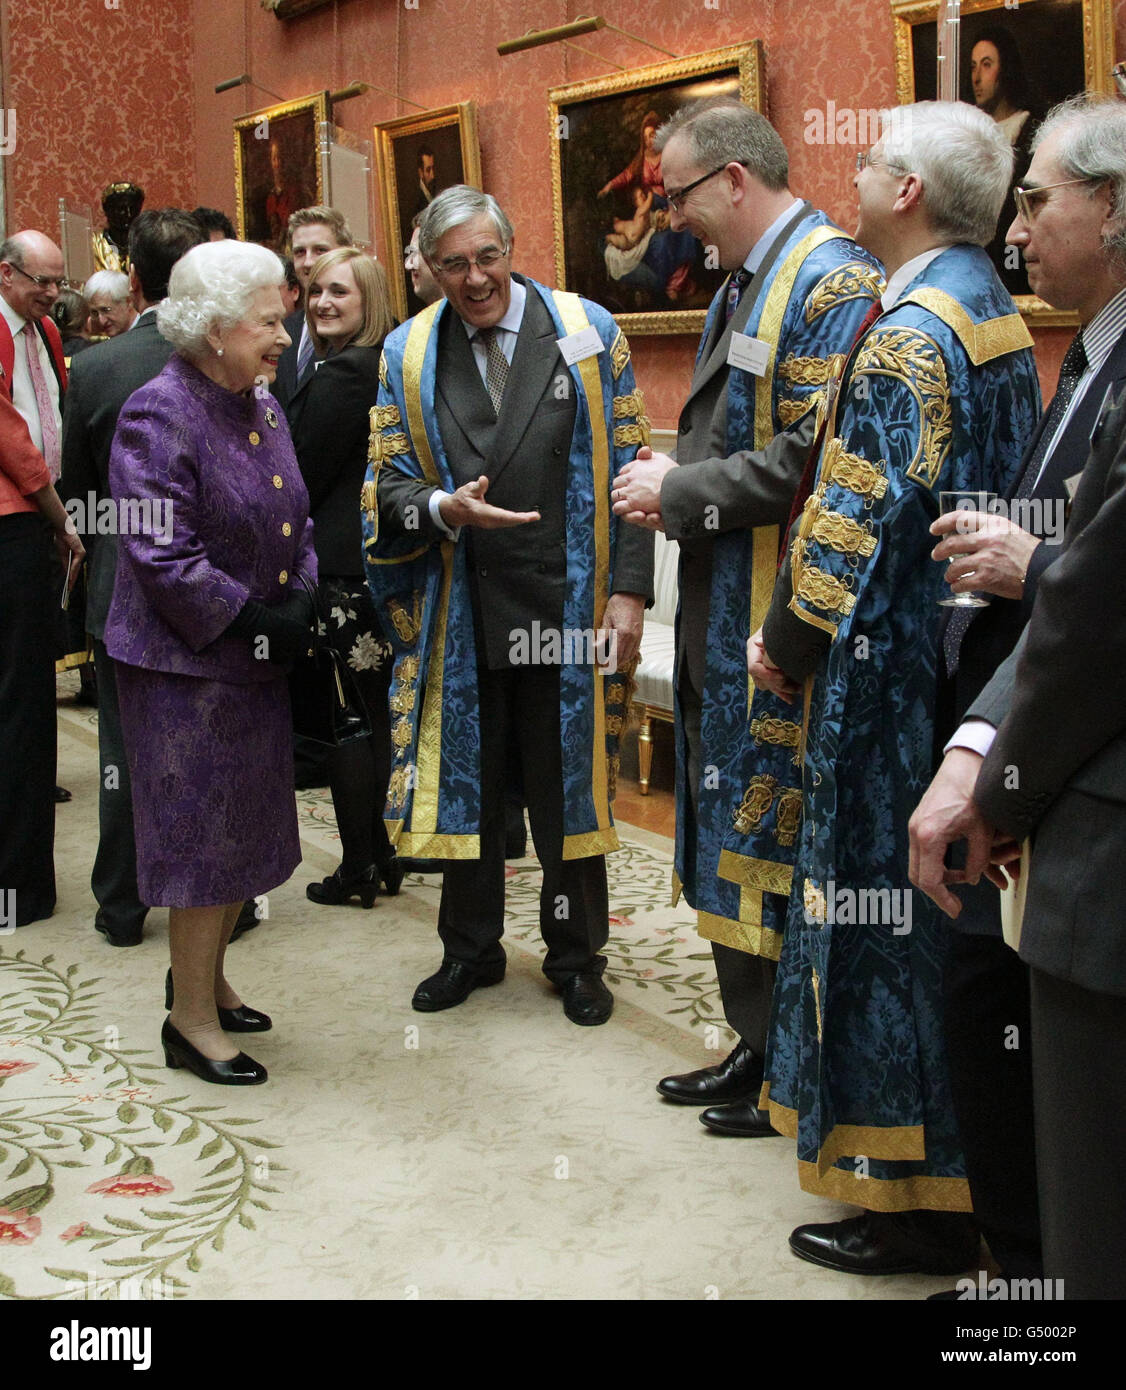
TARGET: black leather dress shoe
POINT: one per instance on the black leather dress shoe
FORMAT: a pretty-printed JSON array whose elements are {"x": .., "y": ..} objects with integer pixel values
[
  {"x": 453, "y": 984},
  {"x": 586, "y": 1000},
  {"x": 742, "y": 1118},
  {"x": 739, "y": 1075},
  {"x": 240, "y": 1070},
  {"x": 244, "y": 1019},
  {"x": 114, "y": 939},
  {"x": 910, "y": 1242}
]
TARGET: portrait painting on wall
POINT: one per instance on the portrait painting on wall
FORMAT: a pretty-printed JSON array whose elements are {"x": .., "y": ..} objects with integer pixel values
[
  {"x": 416, "y": 157},
  {"x": 1015, "y": 62},
  {"x": 613, "y": 238},
  {"x": 277, "y": 169}
]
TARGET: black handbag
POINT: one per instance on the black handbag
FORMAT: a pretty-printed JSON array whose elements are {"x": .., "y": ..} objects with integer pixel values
[{"x": 323, "y": 693}]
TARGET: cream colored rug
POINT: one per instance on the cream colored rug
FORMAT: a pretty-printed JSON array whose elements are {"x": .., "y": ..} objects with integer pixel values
[{"x": 491, "y": 1151}]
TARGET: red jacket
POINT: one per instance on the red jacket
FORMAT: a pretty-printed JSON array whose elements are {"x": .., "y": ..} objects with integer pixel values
[{"x": 22, "y": 469}]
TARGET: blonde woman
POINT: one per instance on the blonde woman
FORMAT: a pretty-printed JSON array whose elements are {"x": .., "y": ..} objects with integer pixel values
[{"x": 348, "y": 311}]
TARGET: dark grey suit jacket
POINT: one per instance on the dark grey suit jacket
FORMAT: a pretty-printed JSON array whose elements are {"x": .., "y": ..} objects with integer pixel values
[
  {"x": 748, "y": 488},
  {"x": 994, "y": 631},
  {"x": 285, "y": 383},
  {"x": 1057, "y": 768},
  {"x": 517, "y": 574},
  {"x": 101, "y": 381}
]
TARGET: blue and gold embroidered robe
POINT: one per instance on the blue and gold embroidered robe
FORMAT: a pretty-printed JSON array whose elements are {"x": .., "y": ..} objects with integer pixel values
[
  {"x": 421, "y": 592},
  {"x": 808, "y": 307},
  {"x": 941, "y": 394}
]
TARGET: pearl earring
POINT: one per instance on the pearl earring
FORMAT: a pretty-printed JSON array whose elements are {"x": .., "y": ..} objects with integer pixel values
[{"x": 218, "y": 352}]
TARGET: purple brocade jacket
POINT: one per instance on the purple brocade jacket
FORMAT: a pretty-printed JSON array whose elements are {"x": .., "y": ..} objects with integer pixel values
[{"x": 212, "y": 511}]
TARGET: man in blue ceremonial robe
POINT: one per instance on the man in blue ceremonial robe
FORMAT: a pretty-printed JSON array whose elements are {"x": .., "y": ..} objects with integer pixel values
[
  {"x": 940, "y": 394},
  {"x": 494, "y": 607},
  {"x": 798, "y": 291}
]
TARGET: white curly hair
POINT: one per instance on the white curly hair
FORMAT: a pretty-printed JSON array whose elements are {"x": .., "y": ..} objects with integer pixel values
[{"x": 214, "y": 284}]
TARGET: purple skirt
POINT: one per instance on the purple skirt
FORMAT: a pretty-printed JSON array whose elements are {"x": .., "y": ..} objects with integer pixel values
[{"x": 211, "y": 766}]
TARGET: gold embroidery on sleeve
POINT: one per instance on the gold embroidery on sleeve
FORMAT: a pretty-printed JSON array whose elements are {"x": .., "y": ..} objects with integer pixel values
[
  {"x": 867, "y": 480},
  {"x": 852, "y": 281},
  {"x": 913, "y": 358},
  {"x": 757, "y": 800},
  {"x": 619, "y": 355},
  {"x": 824, "y": 590},
  {"x": 804, "y": 371},
  {"x": 842, "y": 534}
]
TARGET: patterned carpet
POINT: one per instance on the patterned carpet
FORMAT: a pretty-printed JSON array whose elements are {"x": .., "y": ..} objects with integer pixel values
[{"x": 491, "y": 1151}]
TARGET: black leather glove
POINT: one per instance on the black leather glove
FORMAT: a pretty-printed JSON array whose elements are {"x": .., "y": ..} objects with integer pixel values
[{"x": 286, "y": 626}]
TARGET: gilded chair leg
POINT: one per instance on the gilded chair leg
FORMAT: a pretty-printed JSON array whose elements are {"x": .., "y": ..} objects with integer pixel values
[{"x": 644, "y": 752}]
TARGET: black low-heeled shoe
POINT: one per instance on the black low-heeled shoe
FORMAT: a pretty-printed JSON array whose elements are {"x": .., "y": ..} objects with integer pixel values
[
  {"x": 237, "y": 1071},
  {"x": 391, "y": 871},
  {"x": 336, "y": 890},
  {"x": 241, "y": 1020}
]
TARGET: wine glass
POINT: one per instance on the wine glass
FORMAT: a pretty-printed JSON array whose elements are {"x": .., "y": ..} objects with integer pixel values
[{"x": 964, "y": 502}]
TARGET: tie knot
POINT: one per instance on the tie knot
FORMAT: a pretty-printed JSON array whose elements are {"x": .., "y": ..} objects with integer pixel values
[{"x": 1075, "y": 358}]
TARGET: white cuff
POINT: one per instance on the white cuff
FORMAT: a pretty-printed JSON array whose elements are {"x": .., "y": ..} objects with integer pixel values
[
  {"x": 438, "y": 519},
  {"x": 975, "y": 734}
]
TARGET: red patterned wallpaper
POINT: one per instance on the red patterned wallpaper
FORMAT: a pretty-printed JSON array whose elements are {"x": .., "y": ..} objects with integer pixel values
[
  {"x": 102, "y": 91},
  {"x": 441, "y": 51},
  {"x": 151, "y": 113}
]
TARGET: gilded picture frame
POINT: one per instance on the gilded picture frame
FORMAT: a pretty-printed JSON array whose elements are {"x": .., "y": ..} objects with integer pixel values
[
  {"x": 613, "y": 243},
  {"x": 277, "y": 167},
  {"x": 441, "y": 143},
  {"x": 1064, "y": 47}
]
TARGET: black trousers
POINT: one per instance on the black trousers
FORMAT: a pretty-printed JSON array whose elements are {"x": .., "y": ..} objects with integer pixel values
[
  {"x": 987, "y": 1020},
  {"x": 746, "y": 982},
  {"x": 30, "y": 587},
  {"x": 114, "y": 877},
  {"x": 1079, "y": 1082},
  {"x": 519, "y": 711}
]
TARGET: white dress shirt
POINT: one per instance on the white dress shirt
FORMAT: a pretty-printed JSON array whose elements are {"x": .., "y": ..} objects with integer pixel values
[
  {"x": 508, "y": 329},
  {"x": 23, "y": 392}
]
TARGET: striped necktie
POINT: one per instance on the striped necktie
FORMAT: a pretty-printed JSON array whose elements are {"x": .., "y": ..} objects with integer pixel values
[
  {"x": 304, "y": 353},
  {"x": 52, "y": 452}
]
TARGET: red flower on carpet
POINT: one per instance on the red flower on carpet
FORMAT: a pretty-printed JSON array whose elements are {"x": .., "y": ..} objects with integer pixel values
[
  {"x": 75, "y": 1231},
  {"x": 10, "y": 1068},
  {"x": 132, "y": 1185},
  {"x": 17, "y": 1228}
]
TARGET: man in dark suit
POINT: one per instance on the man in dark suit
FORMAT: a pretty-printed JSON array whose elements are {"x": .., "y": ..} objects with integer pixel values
[
  {"x": 543, "y": 552},
  {"x": 1072, "y": 238},
  {"x": 101, "y": 382},
  {"x": 312, "y": 232}
]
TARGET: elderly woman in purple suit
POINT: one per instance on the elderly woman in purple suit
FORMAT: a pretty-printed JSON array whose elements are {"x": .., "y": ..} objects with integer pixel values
[{"x": 209, "y": 608}]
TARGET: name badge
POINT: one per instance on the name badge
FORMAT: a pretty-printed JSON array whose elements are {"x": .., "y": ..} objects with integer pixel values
[
  {"x": 749, "y": 354},
  {"x": 577, "y": 347}
]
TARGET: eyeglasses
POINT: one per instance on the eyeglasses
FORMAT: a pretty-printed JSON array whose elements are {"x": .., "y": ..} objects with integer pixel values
[
  {"x": 676, "y": 200},
  {"x": 43, "y": 281},
  {"x": 454, "y": 267},
  {"x": 1028, "y": 200},
  {"x": 866, "y": 159}
]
